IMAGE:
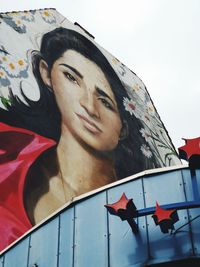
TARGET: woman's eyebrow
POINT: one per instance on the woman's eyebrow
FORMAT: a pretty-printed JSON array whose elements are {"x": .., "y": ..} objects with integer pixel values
[
  {"x": 102, "y": 93},
  {"x": 73, "y": 69}
]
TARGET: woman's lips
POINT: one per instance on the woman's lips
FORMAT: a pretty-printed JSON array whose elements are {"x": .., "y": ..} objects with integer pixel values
[{"x": 88, "y": 124}]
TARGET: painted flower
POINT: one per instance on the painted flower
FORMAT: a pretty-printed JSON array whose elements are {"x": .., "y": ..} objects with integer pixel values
[
  {"x": 146, "y": 119},
  {"x": 4, "y": 81},
  {"x": 150, "y": 108},
  {"x": 22, "y": 64},
  {"x": 15, "y": 21},
  {"x": 28, "y": 16},
  {"x": 48, "y": 16},
  {"x": 11, "y": 69},
  {"x": 3, "y": 58},
  {"x": 139, "y": 89},
  {"x": 129, "y": 105},
  {"x": 14, "y": 67},
  {"x": 115, "y": 61},
  {"x": 120, "y": 68},
  {"x": 145, "y": 133},
  {"x": 136, "y": 87},
  {"x": 146, "y": 151}
]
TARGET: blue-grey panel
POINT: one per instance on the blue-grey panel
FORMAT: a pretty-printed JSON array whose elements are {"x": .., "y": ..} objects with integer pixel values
[
  {"x": 198, "y": 178},
  {"x": 126, "y": 248},
  {"x": 187, "y": 184},
  {"x": 91, "y": 244},
  {"x": 1, "y": 261},
  {"x": 18, "y": 255},
  {"x": 167, "y": 188},
  {"x": 66, "y": 238},
  {"x": 44, "y": 245},
  {"x": 196, "y": 223},
  {"x": 194, "y": 214}
]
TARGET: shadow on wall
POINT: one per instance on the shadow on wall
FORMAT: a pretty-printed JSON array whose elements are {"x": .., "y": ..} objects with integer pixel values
[{"x": 182, "y": 263}]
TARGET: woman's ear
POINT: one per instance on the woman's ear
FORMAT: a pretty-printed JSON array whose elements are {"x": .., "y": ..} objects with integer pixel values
[
  {"x": 124, "y": 131},
  {"x": 44, "y": 72}
]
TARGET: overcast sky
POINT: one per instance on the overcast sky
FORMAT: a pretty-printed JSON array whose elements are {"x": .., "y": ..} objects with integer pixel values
[{"x": 158, "y": 39}]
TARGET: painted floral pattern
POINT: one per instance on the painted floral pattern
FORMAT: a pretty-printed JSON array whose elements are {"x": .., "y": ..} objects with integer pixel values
[
  {"x": 48, "y": 16},
  {"x": 146, "y": 151},
  {"x": 4, "y": 81},
  {"x": 12, "y": 66},
  {"x": 20, "y": 20},
  {"x": 153, "y": 131},
  {"x": 15, "y": 22},
  {"x": 130, "y": 106},
  {"x": 139, "y": 104},
  {"x": 28, "y": 16}
]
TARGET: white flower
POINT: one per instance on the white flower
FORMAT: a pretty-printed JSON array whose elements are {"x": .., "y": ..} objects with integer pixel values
[
  {"x": 48, "y": 16},
  {"x": 139, "y": 89},
  {"x": 21, "y": 64},
  {"x": 146, "y": 151},
  {"x": 150, "y": 108},
  {"x": 133, "y": 108},
  {"x": 28, "y": 16},
  {"x": 15, "y": 20},
  {"x": 145, "y": 133},
  {"x": 129, "y": 105},
  {"x": 14, "y": 67},
  {"x": 146, "y": 118},
  {"x": 2, "y": 74},
  {"x": 4, "y": 81},
  {"x": 115, "y": 61},
  {"x": 136, "y": 88},
  {"x": 19, "y": 23},
  {"x": 3, "y": 58}
]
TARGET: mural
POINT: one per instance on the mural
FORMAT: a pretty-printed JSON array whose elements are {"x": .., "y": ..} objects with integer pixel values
[{"x": 72, "y": 119}]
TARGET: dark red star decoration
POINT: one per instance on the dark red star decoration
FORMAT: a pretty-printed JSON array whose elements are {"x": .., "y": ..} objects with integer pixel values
[
  {"x": 165, "y": 218},
  {"x": 125, "y": 209},
  {"x": 191, "y": 152}
]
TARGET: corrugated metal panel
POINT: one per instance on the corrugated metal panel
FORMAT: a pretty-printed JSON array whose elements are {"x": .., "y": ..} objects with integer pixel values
[
  {"x": 91, "y": 245},
  {"x": 196, "y": 222},
  {"x": 66, "y": 238},
  {"x": 18, "y": 256},
  {"x": 194, "y": 214},
  {"x": 166, "y": 188},
  {"x": 127, "y": 249},
  {"x": 1, "y": 261},
  {"x": 86, "y": 235},
  {"x": 44, "y": 245}
]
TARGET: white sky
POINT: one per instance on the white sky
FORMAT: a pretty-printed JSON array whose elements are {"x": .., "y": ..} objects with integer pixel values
[{"x": 158, "y": 39}]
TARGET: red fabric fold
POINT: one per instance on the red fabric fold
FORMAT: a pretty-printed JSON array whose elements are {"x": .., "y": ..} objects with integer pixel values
[{"x": 19, "y": 148}]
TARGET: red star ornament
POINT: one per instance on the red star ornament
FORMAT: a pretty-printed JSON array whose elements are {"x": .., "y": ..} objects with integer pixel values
[
  {"x": 165, "y": 218},
  {"x": 124, "y": 208},
  {"x": 191, "y": 152}
]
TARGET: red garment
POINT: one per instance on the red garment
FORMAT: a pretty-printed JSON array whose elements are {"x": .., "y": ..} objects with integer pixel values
[{"x": 19, "y": 148}]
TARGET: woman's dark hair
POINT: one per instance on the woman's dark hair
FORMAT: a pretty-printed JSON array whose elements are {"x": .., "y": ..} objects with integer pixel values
[{"x": 43, "y": 116}]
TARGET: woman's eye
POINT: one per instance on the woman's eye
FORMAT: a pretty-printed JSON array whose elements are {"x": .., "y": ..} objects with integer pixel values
[
  {"x": 70, "y": 77},
  {"x": 106, "y": 103}
]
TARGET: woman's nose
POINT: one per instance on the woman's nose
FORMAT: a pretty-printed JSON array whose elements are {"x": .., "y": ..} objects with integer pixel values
[{"x": 88, "y": 102}]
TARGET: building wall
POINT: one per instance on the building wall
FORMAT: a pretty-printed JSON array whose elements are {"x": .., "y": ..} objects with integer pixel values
[{"x": 85, "y": 234}]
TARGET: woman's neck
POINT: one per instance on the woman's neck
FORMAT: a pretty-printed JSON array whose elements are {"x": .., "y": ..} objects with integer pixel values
[
  {"x": 81, "y": 168},
  {"x": 71, "y": 170}
]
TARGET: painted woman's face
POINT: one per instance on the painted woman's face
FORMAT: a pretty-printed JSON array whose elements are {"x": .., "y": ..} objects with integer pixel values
[{"x": 85, "y": 99}]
